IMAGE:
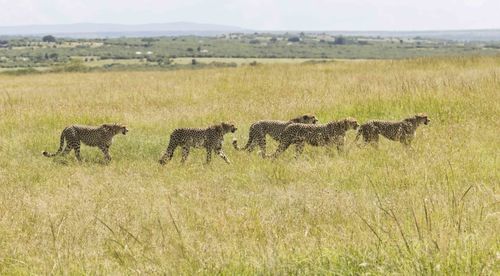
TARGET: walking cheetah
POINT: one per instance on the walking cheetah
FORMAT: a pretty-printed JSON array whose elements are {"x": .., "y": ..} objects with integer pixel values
[
  {"x": 94, "y": 136},
  {"x": 273, "y": 128},
  {"x": 315, "y": 135},
  {"x": 403, "y": 131},
  {"x": 210, "y": 138}
]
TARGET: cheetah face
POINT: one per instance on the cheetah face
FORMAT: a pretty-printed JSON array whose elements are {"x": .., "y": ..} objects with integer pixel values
[
  {"x": 422, "y": 118},
  {"x": 116, "y": 128},
  {"x": 309, "y": 119},
  {"x": 228, "y": 127},
  {"x": 351, "y": 123},
  {"x": 305, "y": 119}
]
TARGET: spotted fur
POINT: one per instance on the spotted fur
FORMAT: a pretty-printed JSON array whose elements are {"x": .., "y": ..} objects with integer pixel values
[
  {"x": 94, "y": 136},
  {"x": 210, "y": 138},
  {"x": 273, "y": 128},
  {"x": 403, "y": 131},
  {"x": 332, "y": 133}
]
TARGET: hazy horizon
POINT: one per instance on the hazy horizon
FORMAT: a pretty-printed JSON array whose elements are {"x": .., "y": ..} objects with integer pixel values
[
  {"x": 249, "y": 29},
  {"x": 314, "y": 15}
]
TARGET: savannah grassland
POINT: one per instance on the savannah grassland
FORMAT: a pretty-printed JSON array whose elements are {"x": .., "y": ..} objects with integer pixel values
[{"x": 433, "y": 209}]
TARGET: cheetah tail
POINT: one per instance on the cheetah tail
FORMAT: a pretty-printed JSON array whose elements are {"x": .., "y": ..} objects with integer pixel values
[
  {"x": 61, "y": 145},
  {"x": 235, "y": 145},
  {"x": 249, "y": 143}
]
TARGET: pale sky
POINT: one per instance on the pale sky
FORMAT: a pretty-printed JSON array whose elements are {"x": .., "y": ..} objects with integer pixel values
[{"x": 263, "y": 14}]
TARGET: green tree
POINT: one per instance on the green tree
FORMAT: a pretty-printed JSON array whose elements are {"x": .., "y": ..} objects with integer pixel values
[{"x": 48, "y": 38}]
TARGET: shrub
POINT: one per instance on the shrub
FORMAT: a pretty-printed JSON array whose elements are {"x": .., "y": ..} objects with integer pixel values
[{"x": 340, "y": 40}]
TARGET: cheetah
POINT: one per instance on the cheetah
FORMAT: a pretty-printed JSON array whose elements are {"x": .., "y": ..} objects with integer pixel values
[
  {"x": 315, "y": 135},
  {"x": 273, "y": 128},
  {"x": 94, "y": 136},
  {"x": 403, "y": 131},
  {"x": 210, "y": 138}
]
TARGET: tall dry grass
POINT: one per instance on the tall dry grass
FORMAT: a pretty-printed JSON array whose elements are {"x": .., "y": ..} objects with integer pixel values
[{"x": 429, "y": 210}]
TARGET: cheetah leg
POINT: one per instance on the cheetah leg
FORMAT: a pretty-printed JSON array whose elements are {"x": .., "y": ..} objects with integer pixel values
[
  {"x": 358, "y": 134},
  {"x": 185, "y": 153},
  {"x": 281, "y": 148},
  {"x": 262, "y": 146},
  {"x": 66, "y": 150},
  {"x": 250, "y": 145},
  {"x": 299, "y": 149},
  {"x": 366, "y": 138},
  {"x": 209, "y": 155},
  {"x": 373, "y": 141},
  {"x": 222, "y": 155},
  {"x": 169, "y": 153},
  {"x": 340, "y": 145},
  {"x": 256, "y": 139},
  {"x": 105, "y": 151},
  {"x": 406, "y": 141},
  {"x": 77, "y": 151}
]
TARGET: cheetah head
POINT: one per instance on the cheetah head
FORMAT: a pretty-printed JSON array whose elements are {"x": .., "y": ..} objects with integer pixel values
[
  {"x": 305, "y": 119},
  {"x": 351, "y": 123},
  {"x": 116, "y": 128},
  {"x": 422, "y": 118},
  {"x": 228, "y": 127}
]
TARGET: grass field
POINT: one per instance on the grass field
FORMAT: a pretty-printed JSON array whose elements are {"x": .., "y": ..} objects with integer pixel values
[
  {"x": 103, "y": 62},
  {"x": 240, "y": 61},
  {"x": 433, "y": 209}
]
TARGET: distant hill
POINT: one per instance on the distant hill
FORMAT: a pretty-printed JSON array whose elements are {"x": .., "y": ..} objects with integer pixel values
[
  {"x": 88, "y": 30},
  {"x": 96, "y": 30}
]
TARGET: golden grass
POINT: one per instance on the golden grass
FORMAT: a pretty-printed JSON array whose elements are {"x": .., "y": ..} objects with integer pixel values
[{"x": 432, "y": 209}]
